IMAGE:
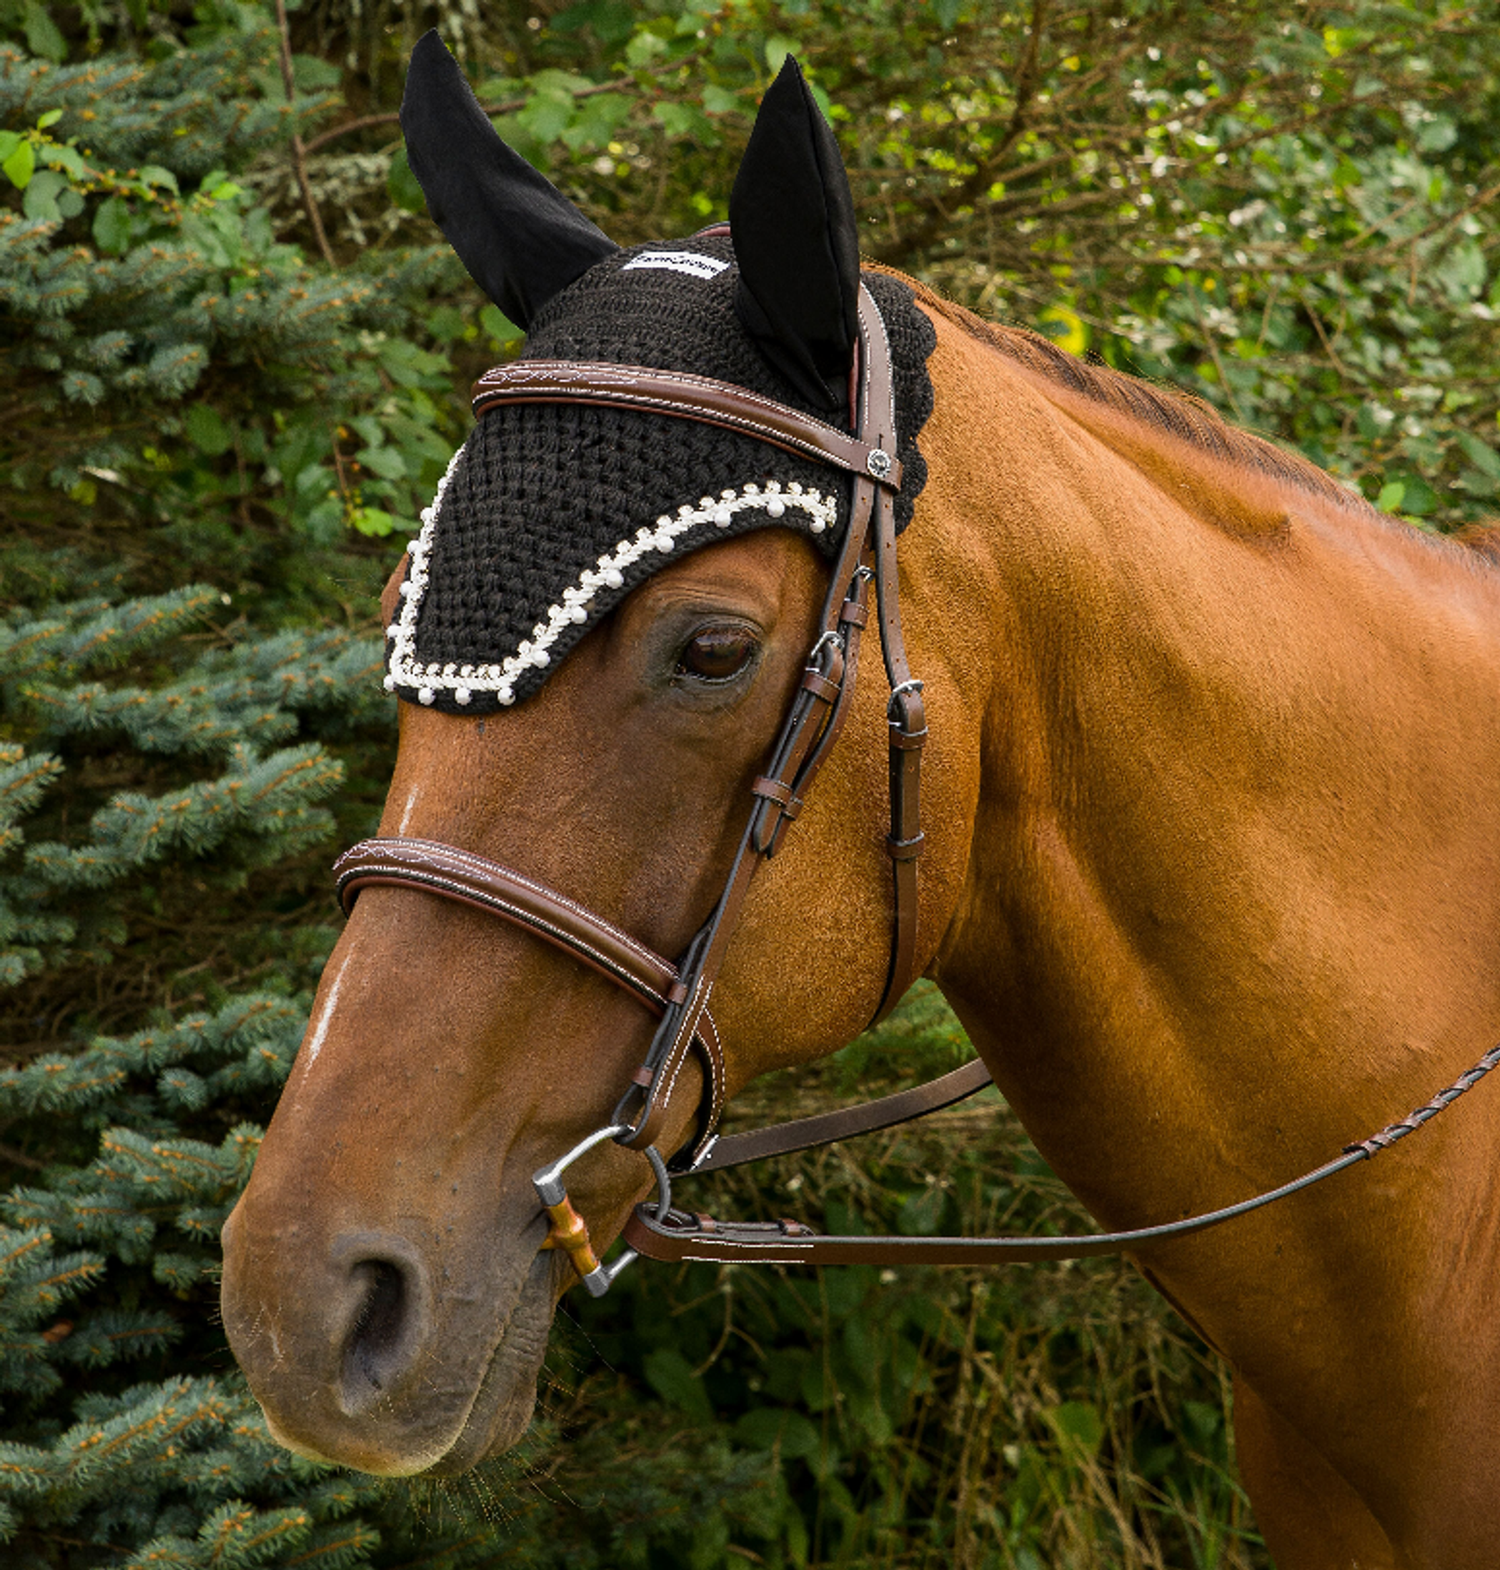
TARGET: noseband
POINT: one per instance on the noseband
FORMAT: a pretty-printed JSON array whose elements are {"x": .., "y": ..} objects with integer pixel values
[{"x": 679, "y": 993}]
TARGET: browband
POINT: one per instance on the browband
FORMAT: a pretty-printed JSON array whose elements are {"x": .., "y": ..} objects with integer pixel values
[{"x": 680, "y": 393}]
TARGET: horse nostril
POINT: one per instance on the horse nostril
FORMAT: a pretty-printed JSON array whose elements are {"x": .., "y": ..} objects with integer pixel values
[
  {"x": 385, "y": 1331},
  {"x": 377, "y": 1325}
]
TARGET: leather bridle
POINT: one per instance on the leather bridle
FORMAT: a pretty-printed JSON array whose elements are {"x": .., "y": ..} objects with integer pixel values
[{"x": 679, "y": 993}]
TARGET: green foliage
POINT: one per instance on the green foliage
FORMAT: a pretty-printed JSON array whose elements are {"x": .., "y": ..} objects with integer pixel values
[
  {"x": 203, "y": 425},
  {"x": 1284, "y": 214},
  {"x": 138, "y": 275},
  {"x": 1025, "y": 1417}
]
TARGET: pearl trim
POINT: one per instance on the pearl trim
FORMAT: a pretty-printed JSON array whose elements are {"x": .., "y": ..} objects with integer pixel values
[{"x": 463, "y": 681}]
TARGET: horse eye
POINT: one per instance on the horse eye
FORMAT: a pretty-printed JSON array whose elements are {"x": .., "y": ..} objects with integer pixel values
[{"x": 717, "y": 653}]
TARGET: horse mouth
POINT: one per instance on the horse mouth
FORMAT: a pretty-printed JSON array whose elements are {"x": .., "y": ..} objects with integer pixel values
[{"x": 505, "y": 1399}]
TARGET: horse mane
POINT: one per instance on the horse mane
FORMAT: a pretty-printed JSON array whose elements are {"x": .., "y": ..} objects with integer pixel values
[
  {"x": 1173, "y": 413},
  {"x": 1479, "y": 539}
]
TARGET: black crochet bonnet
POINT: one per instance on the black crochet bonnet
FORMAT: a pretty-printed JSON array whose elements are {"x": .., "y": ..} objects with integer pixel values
[{"x": 550, "y": 514}]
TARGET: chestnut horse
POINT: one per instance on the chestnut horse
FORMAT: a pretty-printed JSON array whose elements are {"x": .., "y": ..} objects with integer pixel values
[{"x": 1211, "y": 877}]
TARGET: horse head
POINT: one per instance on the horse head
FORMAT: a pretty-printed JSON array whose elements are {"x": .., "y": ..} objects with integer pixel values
[{"x": 596, "y": 635}]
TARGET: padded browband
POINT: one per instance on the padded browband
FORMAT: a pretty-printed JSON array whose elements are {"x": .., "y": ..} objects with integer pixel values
[{"x": 686, "y": 396}]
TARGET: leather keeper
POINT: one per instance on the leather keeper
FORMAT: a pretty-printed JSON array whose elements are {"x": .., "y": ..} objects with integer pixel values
[
  {"x": 820, "y": 686},
  {"x": 904, "y": 850},
  {"x": 853, "y": 614},
  {"x": 907, "y": 740},
  {"x": 777, "y": 791}
]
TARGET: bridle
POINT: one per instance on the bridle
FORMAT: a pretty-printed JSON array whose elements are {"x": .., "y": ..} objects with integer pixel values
[{"x": 679, "y": 993}]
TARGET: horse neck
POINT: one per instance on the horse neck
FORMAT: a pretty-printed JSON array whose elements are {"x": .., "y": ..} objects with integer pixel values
[{"x": 1236, "y": 839}]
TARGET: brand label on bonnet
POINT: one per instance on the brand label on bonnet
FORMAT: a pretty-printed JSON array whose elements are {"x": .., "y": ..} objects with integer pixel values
[{"x": 694, "y": 263}]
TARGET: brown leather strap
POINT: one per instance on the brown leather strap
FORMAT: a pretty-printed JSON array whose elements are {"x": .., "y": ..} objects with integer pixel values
[
  {"x": 904, "y": 714},
  {"x": 486, "y": 885},
  {"x": 689, "y": 397},
  {"x": 676, "y": 1236},
  {"x": 679, "y": 1236},
  {"x": 784, "y": 1139},
  {"x": 812, "y": 725}
]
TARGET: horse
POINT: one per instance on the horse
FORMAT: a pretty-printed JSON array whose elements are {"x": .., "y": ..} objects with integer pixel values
[{"x": 1210, "y": 869}]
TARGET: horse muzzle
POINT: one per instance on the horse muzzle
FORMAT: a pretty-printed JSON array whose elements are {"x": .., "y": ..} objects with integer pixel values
[{"x": 367, "y": 1354}]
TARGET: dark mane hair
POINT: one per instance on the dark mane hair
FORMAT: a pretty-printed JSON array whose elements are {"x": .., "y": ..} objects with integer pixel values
[{"x": 1175, "y": 413}]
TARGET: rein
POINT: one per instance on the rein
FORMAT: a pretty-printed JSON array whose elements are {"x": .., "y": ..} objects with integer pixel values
[{"x": 679, "y": 994}]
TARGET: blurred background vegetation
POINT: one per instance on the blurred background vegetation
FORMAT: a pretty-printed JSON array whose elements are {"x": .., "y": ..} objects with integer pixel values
[{"x": 233, "y": 361}]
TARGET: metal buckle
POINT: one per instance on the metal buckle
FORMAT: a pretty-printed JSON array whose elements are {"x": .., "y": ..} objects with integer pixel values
[
  {"x": 832, "y": 639},
  {"x": 895, "y": 710},
  {"x": 570, "y": 1232}
]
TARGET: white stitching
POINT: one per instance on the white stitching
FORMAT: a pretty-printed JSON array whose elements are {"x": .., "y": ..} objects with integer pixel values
[
  {"x": 500, "y": 679},
  {"x": 484, "y": 864},
  {"x": 704, "y": 1027},
  {"x": 542, "y": 375}
]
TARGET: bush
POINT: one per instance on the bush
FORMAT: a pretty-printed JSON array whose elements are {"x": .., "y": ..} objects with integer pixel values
[{"x": 206, "y": 433}]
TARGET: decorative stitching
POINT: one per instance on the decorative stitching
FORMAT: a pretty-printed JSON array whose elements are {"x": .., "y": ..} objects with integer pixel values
[
  {"x": 480, "y": 865},
  {"x": 409, "y": 676}
]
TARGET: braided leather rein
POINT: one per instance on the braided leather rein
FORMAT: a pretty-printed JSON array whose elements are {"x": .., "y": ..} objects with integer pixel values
[{"x": 679, "y": 993}]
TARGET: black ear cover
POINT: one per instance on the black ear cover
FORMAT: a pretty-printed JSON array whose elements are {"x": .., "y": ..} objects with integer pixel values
[
  {"x": 797, "y": 243},
  {"x": 521, "y": 239}
]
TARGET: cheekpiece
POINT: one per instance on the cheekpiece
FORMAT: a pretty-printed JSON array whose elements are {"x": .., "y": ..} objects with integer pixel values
[{"x": 551, "y": 513}]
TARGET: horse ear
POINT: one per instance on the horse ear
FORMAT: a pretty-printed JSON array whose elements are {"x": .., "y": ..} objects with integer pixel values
[
  {"x": 521, "y": 239},
  {"x": 795, "y": 239}
]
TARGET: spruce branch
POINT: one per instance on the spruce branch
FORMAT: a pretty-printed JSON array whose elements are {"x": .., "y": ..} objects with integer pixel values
[{"x": 299, "y": 152}]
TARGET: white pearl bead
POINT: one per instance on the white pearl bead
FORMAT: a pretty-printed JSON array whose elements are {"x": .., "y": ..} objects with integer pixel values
[
  {"x": 425, "y": 695},
  {"x": 776, "y": 508},
  {"x": 461, "y": 695},
  {"x": 723, "y": 518}
]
